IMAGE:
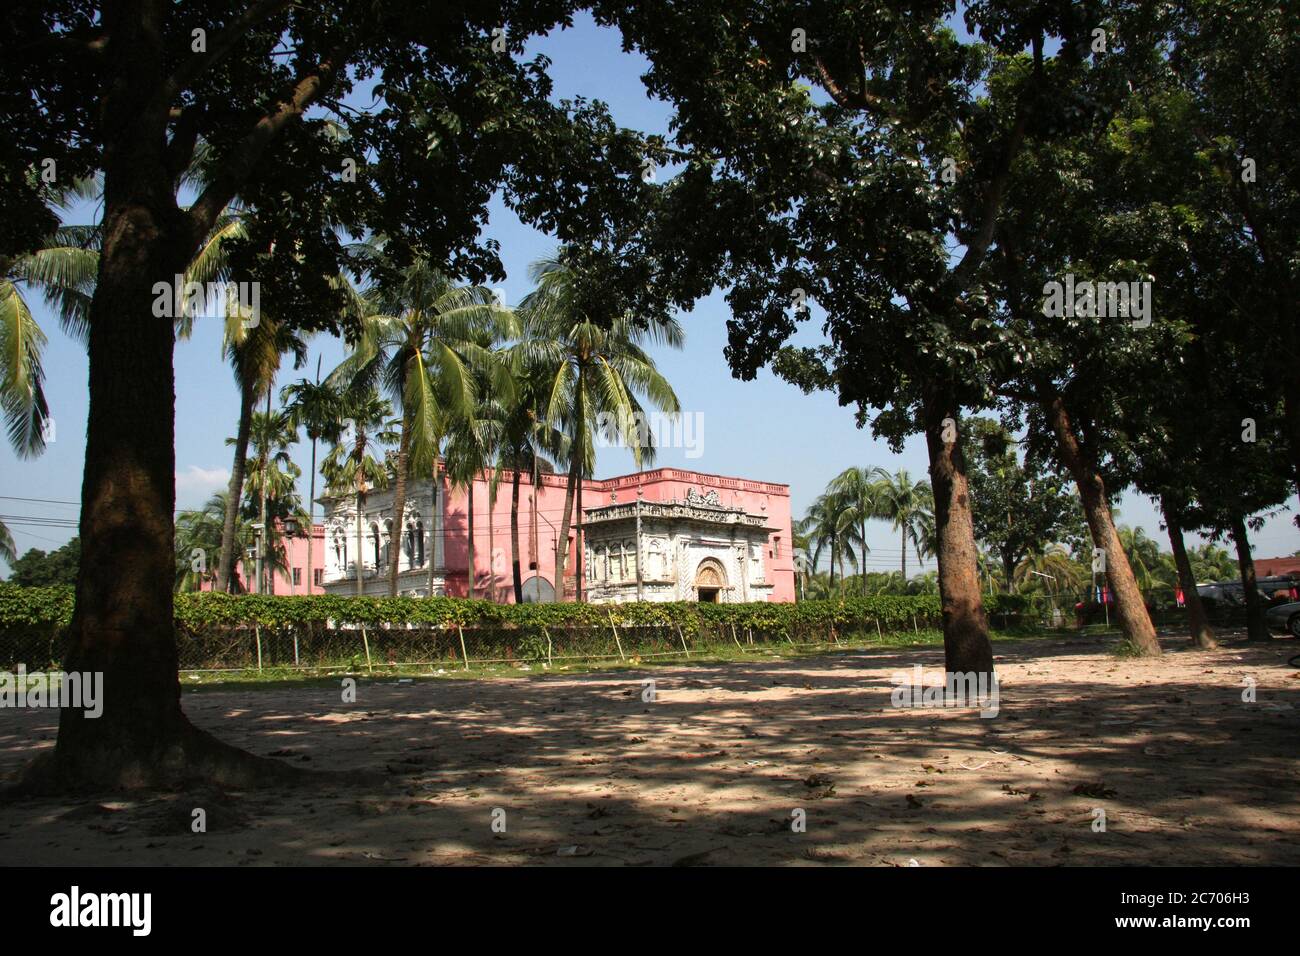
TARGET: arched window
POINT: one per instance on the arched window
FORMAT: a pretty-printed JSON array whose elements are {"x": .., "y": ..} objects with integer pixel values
[
  {"x": 419, "y": 544},
  {"x": 388, "y": 541},
  {"x": 408, "y": 542},
  {"x": 374, "y": 542}
]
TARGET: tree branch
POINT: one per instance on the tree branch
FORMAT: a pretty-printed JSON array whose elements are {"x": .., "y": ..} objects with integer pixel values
[
  {"x": 219, "y": 46},
  {"x": 979, "y": 244},
  {"x": 307, "y": 90}
]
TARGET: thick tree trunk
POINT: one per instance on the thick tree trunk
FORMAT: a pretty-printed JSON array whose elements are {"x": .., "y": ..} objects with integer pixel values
[
  {"x": 1197, "y": 621},
  {"x": 122, "y": 627},
  {"x": 399, "y": 503},
  {"x": 562, "y": 542},
  {"x": 1132, "y": 612},
  {"x": 235, "y": 489},
  {"x": 515, "y": 572},
  {"x": 1256, "y": 625},
  {"x": 1008, "y": 570},
  {"x": 966, "y": 646},
  {"x": 1291, "y": 410}
]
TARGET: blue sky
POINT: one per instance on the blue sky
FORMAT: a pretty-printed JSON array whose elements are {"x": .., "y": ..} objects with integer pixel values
[{"x": 763, "y": 429}]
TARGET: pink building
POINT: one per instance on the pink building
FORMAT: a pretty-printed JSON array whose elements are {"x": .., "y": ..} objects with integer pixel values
[{"x": 702, "y": 536}]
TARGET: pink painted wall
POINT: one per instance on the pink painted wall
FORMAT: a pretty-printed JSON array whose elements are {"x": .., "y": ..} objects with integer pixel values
[
  {"x": 492, "y": 553},
  {"x": 297, "y": 558}
]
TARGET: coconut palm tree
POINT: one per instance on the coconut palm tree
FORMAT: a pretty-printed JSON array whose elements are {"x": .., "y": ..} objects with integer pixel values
[
  {"x": 64, "y": 270},
  {"x": 1212, "y": 563},
  {"x": 859, "y": 493},
  {"x": 472, "y": 442},
  {"x": 198, "y": 538},
  {"x": 271, "y": 482},
  {"x": 426, "y": 342},
  {"x": 316, "y": 408},
  {"x": 595, "y": 368},
  {"x": 528, "y": 445},
  {"x": 8, "y": 551},
  {"x": 823, "y": 526},
  {"x": 1051, "y": 570},
  {"x": 1144, "y": 557},
  {"x": 904, "y": 502},
  {"x": 355, "y": 463}
]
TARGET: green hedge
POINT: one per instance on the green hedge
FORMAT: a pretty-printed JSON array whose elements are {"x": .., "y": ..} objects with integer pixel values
[{"x": 25, "y": 608}]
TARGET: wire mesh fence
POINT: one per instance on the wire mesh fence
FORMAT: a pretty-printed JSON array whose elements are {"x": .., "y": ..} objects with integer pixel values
[
  {"x": 357, "y": 648},
  {"x": 328, "y": 645}
]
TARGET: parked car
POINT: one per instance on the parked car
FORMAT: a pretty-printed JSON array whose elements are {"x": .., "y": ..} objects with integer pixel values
[{"x": 1284, "y": 617}]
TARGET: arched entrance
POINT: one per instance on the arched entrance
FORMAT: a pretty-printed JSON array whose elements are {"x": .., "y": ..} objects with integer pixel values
[
  {"x": 538, "y": 590},
  {"x": 710, "y": 580}
]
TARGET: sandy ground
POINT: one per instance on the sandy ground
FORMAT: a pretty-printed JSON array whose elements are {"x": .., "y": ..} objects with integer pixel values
[{"x": 714, "y": 769}]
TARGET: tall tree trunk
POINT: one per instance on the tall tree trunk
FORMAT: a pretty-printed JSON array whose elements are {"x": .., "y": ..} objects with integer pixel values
[
  {"x": 399, "y": 502},
  {"x": 469, "y": 547},
  {"x": 562, "y": 542},
  {"x": 515, "y": 572},
  {"x": 235, "y": 489},
  {"x": 864, "y": 558},
  {"x": 122, "y": 628},
  {"x": 361, "y": 553},
  {"x": 1197, "y": 621},
  {"x": 492, "y": 542},
  {"x": 904, "y": 543},
  {"x": 435, "y": 525},
  {"x": 311, "y": 519},
  {"x": 264, "y": 571},
  {"x": 1008, "y": 569},
  {"x": 1256, "y": 625},
  {"x": 1132, "y": 612},
  {"x": 1291, "y": 407},
  {"x": 966, "y": 646},
  {"x": 579, "y": 548}
]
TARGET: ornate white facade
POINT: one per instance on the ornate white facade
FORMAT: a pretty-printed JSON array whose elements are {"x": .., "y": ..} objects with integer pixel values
[
  {"x": 698, "y": 549},
  {"x": 419, "y": 554}
]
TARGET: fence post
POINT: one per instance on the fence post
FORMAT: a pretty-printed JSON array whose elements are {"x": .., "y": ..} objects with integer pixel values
[
  {"x": 464, "y": 653},
  {"x": 621, "y": 657},
  {"x": 548, "y": 645},
  {"x": 257, "y": 634},
  {"x": 366, "y": 643},
  {"x": 295, "y": 645},
  {"x": 683, "y": 637},
  {"x": 733, "y": 635},
  {"x": 915, "y": 629},
  {"x": 879, "y": 633}
]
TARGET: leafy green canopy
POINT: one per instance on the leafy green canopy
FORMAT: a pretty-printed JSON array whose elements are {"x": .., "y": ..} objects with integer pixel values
[{"x": 326, "y": 120}]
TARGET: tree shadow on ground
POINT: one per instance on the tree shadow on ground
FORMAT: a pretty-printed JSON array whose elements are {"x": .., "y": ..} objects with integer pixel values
[{"x": 727, "y": 759}]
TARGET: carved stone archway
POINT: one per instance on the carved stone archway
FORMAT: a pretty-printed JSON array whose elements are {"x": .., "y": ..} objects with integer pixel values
[{"x": 710, "y": 580}]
